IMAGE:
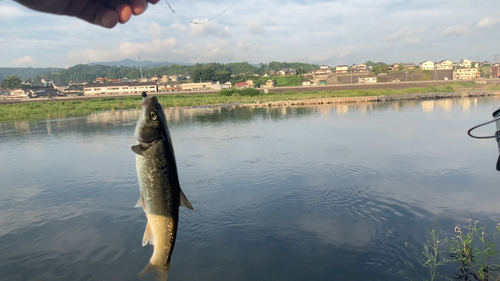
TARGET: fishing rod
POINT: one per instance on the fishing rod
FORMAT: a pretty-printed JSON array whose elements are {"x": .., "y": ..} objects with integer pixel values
[{"x": 496, "y": 116}]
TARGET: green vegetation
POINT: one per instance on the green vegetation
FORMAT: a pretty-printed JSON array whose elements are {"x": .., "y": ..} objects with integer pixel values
[
  {"x": 250, "y": 92},
  {"x": 11, "y": 82},
  {"x": 207, "y": 72},
  {"x": 62, "y": 109},
  {"x": 471, "y": 250}
]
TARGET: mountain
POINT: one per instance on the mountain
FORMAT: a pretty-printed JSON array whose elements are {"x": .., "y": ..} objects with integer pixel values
[
  {"x": 24, "y": 72},
  {"x": 134, "y": 63}
]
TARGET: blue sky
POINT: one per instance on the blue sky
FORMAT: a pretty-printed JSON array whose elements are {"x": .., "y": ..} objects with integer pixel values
[{"x": 322, "y": 32}]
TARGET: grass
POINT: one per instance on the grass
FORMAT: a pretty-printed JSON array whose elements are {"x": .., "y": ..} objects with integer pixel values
[{"x": 63, "y": 109}]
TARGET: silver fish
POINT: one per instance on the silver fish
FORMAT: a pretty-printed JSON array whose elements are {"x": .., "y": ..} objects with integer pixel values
[{"x": 161, "y": 194}]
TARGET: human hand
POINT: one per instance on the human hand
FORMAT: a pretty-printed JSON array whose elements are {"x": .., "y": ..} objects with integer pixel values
[{"x": 106, "y": 13}]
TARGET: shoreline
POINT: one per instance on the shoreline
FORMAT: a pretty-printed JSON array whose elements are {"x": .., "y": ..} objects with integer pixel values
[{"x": 362, "y": 99}]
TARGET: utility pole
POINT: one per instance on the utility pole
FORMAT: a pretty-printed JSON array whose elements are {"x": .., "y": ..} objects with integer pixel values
[{"x": 140, "y": 66}]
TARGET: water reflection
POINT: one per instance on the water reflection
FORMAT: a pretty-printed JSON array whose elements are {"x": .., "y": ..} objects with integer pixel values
[{"x": 305, "y": 193}]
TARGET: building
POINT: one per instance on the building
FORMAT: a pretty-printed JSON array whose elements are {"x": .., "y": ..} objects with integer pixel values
[
  {"x": 119, "y": 88},
  {"x": 367, "y": 80},
  {"x": 361, "y": 68},
  {"x": 466, "y": 73},
  {"x": 60, "y": 87},
  {"x": 325, "y": 67},
  {"x": 308, "y": 83},
  {"x": 169, "y": 87},
  {"x": 321, "y": 72},
  {"x": 47, "y": 82},
  {"x": 394, "y": 67},
  {"x": 269, "y": 84},
  {"x": 77, "y": 82},
  {"x": 342, "y": 69},
  {"x": 409, "y": 65},
  {"x": 495, "y": 73},
  {"x": 427, "y": 65},
  {"x": 465, "y": 63},
  {"x": 444, "y": 64},
  {"x": 203, "y": 86},
  {"x": 243, "y": 85},
  {"x": 282, "y": 72}
]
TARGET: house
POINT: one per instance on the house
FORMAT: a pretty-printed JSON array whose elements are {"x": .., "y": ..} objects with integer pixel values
[
  {"x": 154, "y": 79},
  {"x": 44, "y": 93},
  {"x": 427, "y": 65},
  {"x": 77, "y": 82},
  {"x": 409, "y": 65},
  {"x": 292, "y": 72},
  {"x": 444, "y": 64},
  {"x": 367, "y": 80},
  {"x": 308, "y": 83},
  {"x": 101, "y": 80},
  {"x": 361, "y": 68},
  {"x": 164, "y": 79},
  {"x": 325, "y": 67},
  {"x": 47, "y": 82},
  {"x": 243, "y": 85},
  {"x": 18, "y": 93},
  {"x": 282, "y": 72},
  {"x": 269, "y": 84},
  {"x": 119, "y": 88},
  {"x": 394, "y": 67},
  {"x": 37, "y": 85},
  {"x": 61, "y": 87},
  {"x": 321, "y": 72},
  {"x": 227, "y": 85},
  {"x": 169, "y": 87},
  {"x": 115, "y": 80},
  {"x": 342, "y": 69},
  {"x": 465, "y": 63},
  {"x": 466, "y": 73},
  {"x": 197, "y": 86}
]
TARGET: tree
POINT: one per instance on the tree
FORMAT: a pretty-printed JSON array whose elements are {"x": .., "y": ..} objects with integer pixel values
[
  {"x": 207, "y": 74},
  {"x": 11, "y": 82},
  {"x": 197, "y": 75},
  {"x": 400, "y": 67},
  {"x": 222, "y": 76}
]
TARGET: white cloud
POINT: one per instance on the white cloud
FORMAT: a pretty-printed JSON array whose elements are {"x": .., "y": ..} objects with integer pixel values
[
  {"x": 179, "y": 26},
  {"x": 412, "y": 40},
  {"x": 24, "y": 61},
  {"x": 207, "y": 29},
  {"x": 157, "y": 31},
  {"x": 243, "y": 46},
  {"x": 10, "y": 12},
  {"x": 487, "y": 22},
  {"x": 328, "y": 57},
  {"x": 402, "y": 33},
  {"x": 154, "y": 47},
  {"x": 456, "y": 30},
  {"x": 255, "y": 28},
  {"x": 217, "y": 51}
]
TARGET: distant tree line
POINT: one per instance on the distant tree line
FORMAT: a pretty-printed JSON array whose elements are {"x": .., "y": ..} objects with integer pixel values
[{"x": 207, "y": 72}]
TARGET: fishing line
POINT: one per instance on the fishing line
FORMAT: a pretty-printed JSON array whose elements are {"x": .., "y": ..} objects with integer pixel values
[
  {"x": 196, "y": 22},
  {"x": 480, "y": 125}
]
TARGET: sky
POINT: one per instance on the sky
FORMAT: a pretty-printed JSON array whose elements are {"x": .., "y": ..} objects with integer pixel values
[{"x": 257, "y": 31}]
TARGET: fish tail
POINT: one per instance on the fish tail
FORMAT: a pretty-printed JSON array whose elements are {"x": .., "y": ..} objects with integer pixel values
[{"x": 161, "y": 273}]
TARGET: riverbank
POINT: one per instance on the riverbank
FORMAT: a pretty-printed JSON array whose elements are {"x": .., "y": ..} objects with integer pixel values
[{"x": 77, "y": 108}]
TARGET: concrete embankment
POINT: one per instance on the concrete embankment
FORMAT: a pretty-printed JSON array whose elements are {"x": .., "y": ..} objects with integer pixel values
[{"x": 403, "y": 97}]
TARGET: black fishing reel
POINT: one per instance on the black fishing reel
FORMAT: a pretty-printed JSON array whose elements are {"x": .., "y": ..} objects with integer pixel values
[{"x": 496, "y": 115}]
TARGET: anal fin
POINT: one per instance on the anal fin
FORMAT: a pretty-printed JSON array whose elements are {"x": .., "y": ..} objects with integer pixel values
[
  {"x": 140, "y": 203},
  {"x": 147, "y": 238}
]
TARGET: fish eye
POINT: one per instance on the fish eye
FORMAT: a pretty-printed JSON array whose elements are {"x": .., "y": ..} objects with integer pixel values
[{"x": 153, "y": 116}]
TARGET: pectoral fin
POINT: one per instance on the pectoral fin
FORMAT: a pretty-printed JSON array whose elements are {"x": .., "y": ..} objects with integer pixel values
[
  {"x": 138, "y": 149},
  {"x": 185, "y": 202},
  {"x": 140, "y": 203}
]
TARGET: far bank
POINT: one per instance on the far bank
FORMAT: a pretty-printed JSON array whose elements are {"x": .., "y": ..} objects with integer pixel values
[{"x": 82, "y": 107}]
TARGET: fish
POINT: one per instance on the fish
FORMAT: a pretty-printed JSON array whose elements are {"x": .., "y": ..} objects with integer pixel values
[{"x": 160, "y": 191}]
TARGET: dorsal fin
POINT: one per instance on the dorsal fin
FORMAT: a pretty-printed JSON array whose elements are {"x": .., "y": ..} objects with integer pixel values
[{"x": 185, "y": 201}]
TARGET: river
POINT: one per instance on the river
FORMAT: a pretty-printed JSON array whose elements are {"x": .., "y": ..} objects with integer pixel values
[{"x": 327, "y": 192}]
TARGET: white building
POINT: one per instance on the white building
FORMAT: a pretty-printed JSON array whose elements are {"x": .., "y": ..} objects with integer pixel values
[
  {"x": 444, "y": 64},
  {"x": 466, "y": 74},
  {"x": 367, "y": 80},
  {"x": 427, "y": 65},
  {"x": 119, "y": 88}
]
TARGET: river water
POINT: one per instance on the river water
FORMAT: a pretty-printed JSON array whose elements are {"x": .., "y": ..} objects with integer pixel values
[{"x": 305, "y": 193}]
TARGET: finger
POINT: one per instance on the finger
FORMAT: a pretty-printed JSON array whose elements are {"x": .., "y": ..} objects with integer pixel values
[
  {"x": 124, "y": 12},
  {"x": 138, "y": 6},
  {"x": 99, "y": 15}
]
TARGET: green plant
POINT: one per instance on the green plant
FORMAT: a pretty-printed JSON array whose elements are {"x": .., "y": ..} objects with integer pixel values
[
  {"x": 474, "y": 250},
  {"x": 431, "y": 256}
]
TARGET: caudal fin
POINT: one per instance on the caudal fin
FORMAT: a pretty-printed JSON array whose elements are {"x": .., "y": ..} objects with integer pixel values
[{"x": 161, "y": 273}]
